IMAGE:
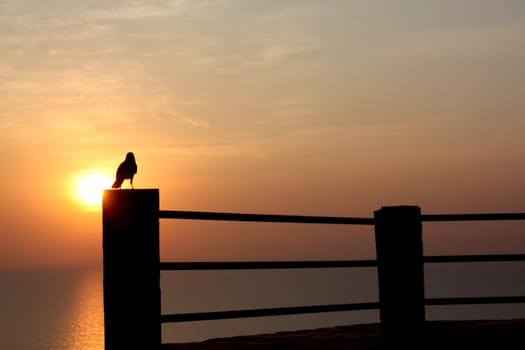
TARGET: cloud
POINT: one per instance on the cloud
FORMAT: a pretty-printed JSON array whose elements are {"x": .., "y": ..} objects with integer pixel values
[
  {"x": 135, "y": 11},
  {"x": 168, "y": 113},
  {"x": 277, "y": 47},
  {"x": 131, "y": 11},
  {"x": 194, "y": 122}
]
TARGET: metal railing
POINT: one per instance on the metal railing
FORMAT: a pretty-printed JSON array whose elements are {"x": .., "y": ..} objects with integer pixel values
[
  {"x": 271, "y": 218},
  {"x": 255, "y": 265},
  {"x": 132, "y": 266}
]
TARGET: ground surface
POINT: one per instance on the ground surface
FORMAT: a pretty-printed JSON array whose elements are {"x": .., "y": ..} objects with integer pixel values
[{"x": 443, "y": 335}]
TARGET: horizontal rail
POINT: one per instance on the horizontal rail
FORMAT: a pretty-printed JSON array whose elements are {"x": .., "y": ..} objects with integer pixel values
[
  {"x": 475, "y": 300},
  {"x": 281, "y": 311},
  {"x": 473, "y": 258},
  {"x": 297, "y": 310},
  {"x": 298, "y": 219},
  {"x": 472, "y": 217},
  {"x": 260, "y": 265},
  {"x": 256, "y": 265},
  {"x": 221, "y": 216}
]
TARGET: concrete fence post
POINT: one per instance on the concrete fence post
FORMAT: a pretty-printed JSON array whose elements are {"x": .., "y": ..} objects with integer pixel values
[
  {"x": 399, "y": 248},
  {"x": 131, "y": 269}
]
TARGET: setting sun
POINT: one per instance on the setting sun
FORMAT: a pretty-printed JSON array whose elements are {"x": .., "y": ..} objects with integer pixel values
[{"x": 90, "y": 188}]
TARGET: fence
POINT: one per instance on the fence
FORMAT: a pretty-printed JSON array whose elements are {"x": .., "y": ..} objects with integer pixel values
[{"x": 132, "y": 306}]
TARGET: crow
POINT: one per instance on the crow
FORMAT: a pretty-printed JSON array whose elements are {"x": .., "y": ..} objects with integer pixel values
[{"x": 126, "y": 170}]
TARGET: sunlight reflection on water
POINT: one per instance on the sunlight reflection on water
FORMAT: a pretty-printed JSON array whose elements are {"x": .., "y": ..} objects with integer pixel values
[
  {"x": 51, "y": 309},
  {"x": 86, "y": 326}
]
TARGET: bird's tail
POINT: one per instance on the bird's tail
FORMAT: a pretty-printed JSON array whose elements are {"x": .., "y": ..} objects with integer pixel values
[{"x": 117, "y": 184}]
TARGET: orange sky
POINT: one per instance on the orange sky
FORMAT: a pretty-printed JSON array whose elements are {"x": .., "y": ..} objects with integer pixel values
[{"x": 300, "y": 107}]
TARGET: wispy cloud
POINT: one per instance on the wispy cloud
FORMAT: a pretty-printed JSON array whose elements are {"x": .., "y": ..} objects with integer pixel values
[
  {"x": 135, "y": 11},
  {"x": 130, "y": 11},
  {"x": 276, "y": 47},
  {"x": 168, "y": 112}
]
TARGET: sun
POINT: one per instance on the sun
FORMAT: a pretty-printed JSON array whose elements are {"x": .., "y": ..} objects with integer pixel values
[{"x": 90, "y": 188}]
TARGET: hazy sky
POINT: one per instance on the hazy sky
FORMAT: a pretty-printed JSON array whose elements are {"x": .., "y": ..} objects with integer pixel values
[{"x": 289, "y": 106}]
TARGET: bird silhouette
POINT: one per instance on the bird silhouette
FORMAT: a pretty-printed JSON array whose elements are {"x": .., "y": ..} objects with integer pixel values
[{"x": 126, "y": 170}]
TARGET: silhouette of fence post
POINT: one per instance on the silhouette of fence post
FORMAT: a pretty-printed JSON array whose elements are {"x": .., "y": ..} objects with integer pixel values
[
  {"x": 130, "y": 237},
  {"x": 399, "y": 248}
]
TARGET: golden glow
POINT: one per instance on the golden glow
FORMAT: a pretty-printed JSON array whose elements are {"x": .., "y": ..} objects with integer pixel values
[
  {"x": 85, "y": 329},
  {"x": 90, "y": 188}
]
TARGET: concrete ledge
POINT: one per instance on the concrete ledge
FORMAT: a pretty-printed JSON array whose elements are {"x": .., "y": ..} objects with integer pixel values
[{"x": 442, "y": 335}]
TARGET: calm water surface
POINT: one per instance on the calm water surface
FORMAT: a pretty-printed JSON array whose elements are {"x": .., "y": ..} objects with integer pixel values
[
  {"x": 63, "y": 308},
  {"x": 51, "y": 309}
]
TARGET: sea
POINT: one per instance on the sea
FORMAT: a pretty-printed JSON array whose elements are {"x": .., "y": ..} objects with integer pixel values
[{"x": 62, "y": 308}]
